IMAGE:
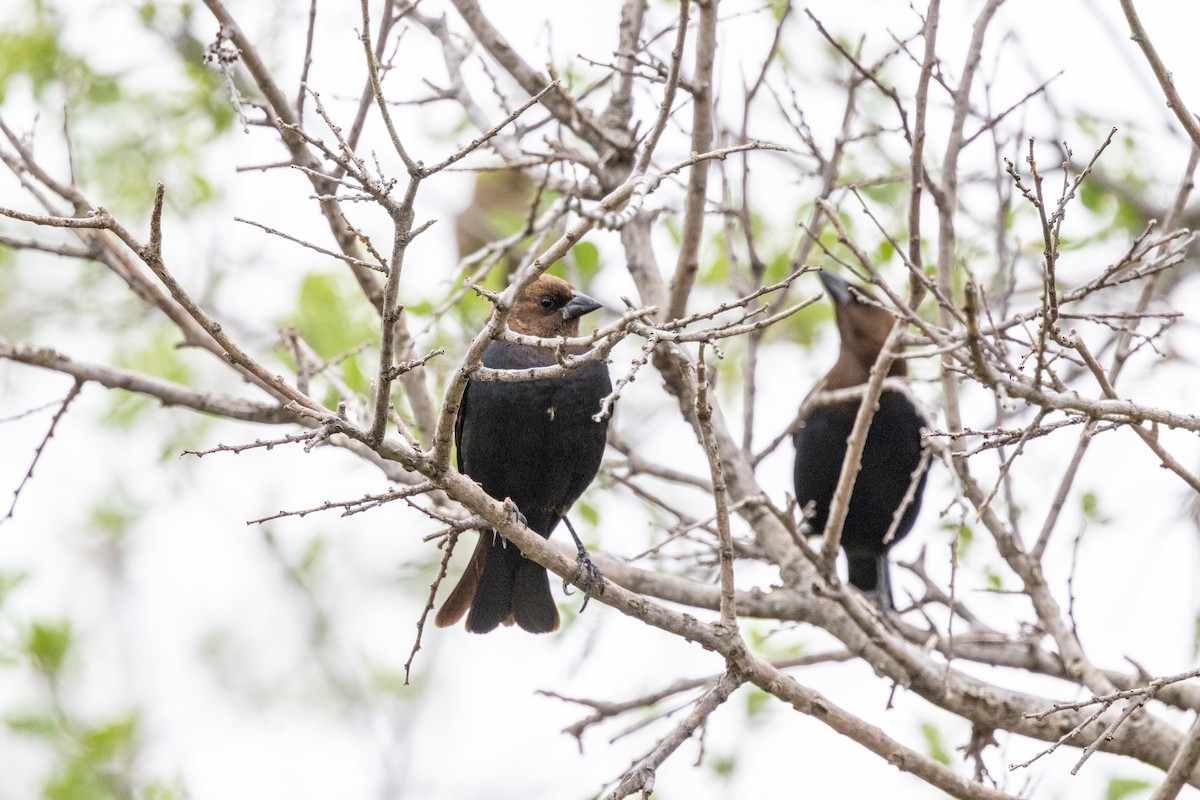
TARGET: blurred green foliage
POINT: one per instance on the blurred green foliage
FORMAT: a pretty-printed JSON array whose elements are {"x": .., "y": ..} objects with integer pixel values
[
  {"x": 116, "y": 513},
  {"x": 994, "y": 580},
  {"x": 46, "y": 644},
  {"x": 935, "y": 743},
  {"x": 723, "y": 766},
  {"x": 772, "y": 643},
  {"x": 128, "y": 129},
  {"x": 126, "y": 132},
  {"x": 91, "y": 758},
  {"x": 158, "y": 356},
  {"x": 964, "y": 537},
  {"x": 333, "y": 319},
  {"x": 1093, "y": 511},
  {"x": 587, "y": 261},
  {"x": 1120, "y": 788},
  {"x": 758, "y": 702}
]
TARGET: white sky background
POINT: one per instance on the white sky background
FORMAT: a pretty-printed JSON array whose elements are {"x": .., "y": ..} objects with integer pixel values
[{"x": 262, "y": 726}]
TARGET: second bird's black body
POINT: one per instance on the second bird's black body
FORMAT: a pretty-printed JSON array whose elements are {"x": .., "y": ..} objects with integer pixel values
[
  {"x": 892, "y": 453},
  {"x": 536, "y": 443},
  {"x": 891, "y": 456}
]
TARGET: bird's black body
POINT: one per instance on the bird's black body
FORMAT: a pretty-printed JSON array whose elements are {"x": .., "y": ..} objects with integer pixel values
[
  {"x": 891, "y": 456},
  {"x": 892, "y": 453},
  {"x": 534, "y": 442}
]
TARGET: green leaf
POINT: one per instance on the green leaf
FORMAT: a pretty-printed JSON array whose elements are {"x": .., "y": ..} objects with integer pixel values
[
  {"x": 82, "y": 781},
  {"x": 590, "y": 514},
  {"x": 1094, "y": 198},
  {"x": 333, "y": 319},
  {"x": 106, "y": 742},
  {"x": 31, "y": 51},
  {"x": 803, "y": 326},
  {"x": 757, "y": 702},
  {"x": 1129, "y": 216},
  {"x": 778, "y": 267},
  {"x": 47, "y": 644},
  {"x": 889, "y": 193},
  {"x": 716, "y": 270},
  {"x": 587, "y": 260},
  {"x": 159, "y": 356},
  {"x": 161, "y": 791},
  {"x": 1092, "y": 511},
  {"x": 115, "y": 513},
  {"x": 884, "y": 252},
  {"x": 1119, "y": 788},
  {"x": 723, "y": 765},
  {"x": 964, "y": 538},
  {"x": 934, "y": 744},
  {"x": 41, "y": 726}
]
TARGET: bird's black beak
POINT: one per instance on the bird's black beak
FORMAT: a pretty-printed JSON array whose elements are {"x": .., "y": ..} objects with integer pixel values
[
  {"x": 580, "y": 304},
  {"x": 837, "y": 288}
]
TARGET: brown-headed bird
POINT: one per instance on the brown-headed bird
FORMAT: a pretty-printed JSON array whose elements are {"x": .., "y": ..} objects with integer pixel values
[
  {"x": 892, "y": 454},
  {"x": 534, "y": 442}
]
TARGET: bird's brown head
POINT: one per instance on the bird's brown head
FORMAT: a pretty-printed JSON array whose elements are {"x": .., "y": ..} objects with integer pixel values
[
  {"x": 864, "y": 325},
  {"x": 549, "y": 307}
]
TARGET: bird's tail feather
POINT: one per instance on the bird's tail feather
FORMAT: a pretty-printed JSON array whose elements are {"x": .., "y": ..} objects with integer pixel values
[
  {"x": 459, "y": 601},
  {"x": 532, "y": 605},
  {"x": 493, "y": 600},
  {"x": 869, "y": 572},
  {"x": 499, "y": 587}
]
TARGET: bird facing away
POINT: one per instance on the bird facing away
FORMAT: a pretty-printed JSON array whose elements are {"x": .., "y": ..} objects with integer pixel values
[
  {"x": 534, "y": 442},
  {"x": 890, "y": 458}
]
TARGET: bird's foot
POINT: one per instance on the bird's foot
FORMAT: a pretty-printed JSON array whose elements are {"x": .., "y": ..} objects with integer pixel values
[
  {"x": 587, "y": 575},
  {"x": 511, "y": 509}
]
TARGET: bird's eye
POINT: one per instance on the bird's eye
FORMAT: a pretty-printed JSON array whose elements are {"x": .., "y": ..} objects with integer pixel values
[{"x": 547, "y": 302}]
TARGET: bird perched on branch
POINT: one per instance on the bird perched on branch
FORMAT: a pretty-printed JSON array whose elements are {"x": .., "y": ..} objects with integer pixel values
[
  {"x": 893, "y": 469},
  {"x": 534, "y": 442}
]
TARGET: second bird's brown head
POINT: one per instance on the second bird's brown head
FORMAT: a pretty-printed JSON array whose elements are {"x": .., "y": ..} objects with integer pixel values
[
  {"x": 549, "y": 307},
  {"x": 864, "y": 325}
]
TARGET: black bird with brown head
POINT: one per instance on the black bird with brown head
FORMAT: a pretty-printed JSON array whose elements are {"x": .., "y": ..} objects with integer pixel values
[
  {"x": 534, "y": 442},
  {"x": 892, "y": 454}
]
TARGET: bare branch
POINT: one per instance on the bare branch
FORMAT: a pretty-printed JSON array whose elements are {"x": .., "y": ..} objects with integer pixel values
[
  {"x": 640, "y": 777},
  {"x": 171, "y": 394},
  {"x": 687, "y": 264},
  {"x": 1174, "y": 102},
  {"x": 717, "y": 471},
  {"x": 37, "y": 453}
]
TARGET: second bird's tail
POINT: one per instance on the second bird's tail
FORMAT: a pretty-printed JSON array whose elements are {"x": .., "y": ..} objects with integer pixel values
[{"x": 870, "y": 573}]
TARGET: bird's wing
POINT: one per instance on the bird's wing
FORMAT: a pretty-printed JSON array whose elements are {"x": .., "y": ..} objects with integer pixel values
[
  {"x": 895, "y": 438},
  {"x": 458, "y": 429},
  {"x": 820, "y": 448}
]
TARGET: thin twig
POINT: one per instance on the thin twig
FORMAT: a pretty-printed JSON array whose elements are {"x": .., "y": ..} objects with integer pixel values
[{"x": 37, "y": 453}]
